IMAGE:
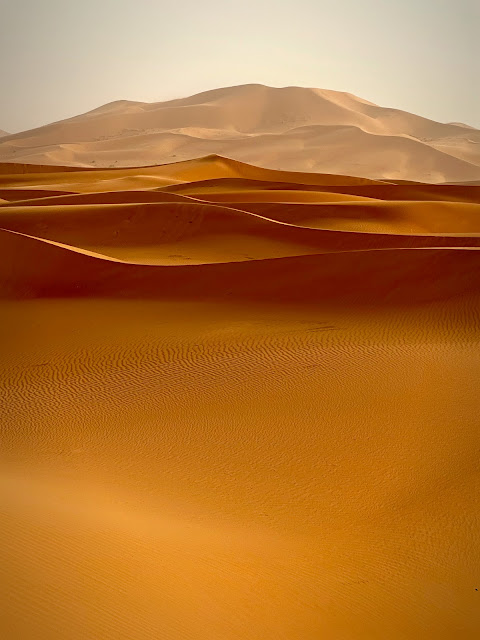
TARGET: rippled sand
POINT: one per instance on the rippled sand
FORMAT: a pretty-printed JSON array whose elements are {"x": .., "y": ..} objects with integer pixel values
[{"x": 238, "y": 403}]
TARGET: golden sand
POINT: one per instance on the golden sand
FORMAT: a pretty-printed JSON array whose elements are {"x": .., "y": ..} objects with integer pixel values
[
  {"x": 238, "y": 403},
  {"x": 288, "y": 128}
]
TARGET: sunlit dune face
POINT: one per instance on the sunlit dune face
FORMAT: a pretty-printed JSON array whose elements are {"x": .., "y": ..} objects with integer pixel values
[
  {"x": 238, "y": 403},
  {"x": 292, "y": 129}
]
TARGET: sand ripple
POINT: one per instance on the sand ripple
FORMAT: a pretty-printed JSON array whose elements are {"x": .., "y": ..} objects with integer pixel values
[{"x": 238, "y": 403}]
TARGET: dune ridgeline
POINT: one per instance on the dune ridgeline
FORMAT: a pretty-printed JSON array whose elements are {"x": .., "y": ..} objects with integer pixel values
[{"x": 289, "y": 128}]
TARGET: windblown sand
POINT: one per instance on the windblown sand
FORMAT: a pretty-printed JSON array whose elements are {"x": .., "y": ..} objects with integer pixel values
[
  {"x": 238, "y": 403},
  {"x": 288, "y": 128}
]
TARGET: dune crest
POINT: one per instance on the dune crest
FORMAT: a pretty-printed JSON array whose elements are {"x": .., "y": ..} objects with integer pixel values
[{"x": 289, "y": 128}]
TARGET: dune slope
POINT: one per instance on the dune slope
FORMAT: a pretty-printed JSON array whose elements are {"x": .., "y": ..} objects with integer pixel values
[
  {"x": 289, "y": 128},
  {"x": 238, "y": 403}
]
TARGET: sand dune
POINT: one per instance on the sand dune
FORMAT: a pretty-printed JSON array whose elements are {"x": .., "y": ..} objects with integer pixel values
[
  {"x": 290, "y": 128},
  {"x": 219, "y": 236},
  {"x": 172, "y": 233},
  {"x": 210, "y": 167},
  {"x": 59, "y": 270},
  {"x": 238, "y": 403}
]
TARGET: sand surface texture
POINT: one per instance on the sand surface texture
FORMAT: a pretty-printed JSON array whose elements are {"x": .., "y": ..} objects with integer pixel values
[
  {"x": 238, "y": 403},
  {"x": 289, "y": 128}
]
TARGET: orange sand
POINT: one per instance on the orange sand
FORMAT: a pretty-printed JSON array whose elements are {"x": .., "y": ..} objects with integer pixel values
[{"x": 238, "y": 403}]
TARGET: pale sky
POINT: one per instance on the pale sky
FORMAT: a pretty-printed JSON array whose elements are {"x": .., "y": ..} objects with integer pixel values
[{"x": 59, "y": 58}]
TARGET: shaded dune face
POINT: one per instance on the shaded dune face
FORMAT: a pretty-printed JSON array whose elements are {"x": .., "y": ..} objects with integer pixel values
[
  {"x": 289, "y": 128},
  {"x": 238, "y": 403}
]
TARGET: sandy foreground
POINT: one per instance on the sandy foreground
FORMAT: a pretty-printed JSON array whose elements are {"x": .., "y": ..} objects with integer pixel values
[{"x": 238, "y": 404}]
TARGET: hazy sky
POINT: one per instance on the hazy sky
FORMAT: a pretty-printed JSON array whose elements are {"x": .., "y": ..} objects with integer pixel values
[{"x": 59, "y": 58}]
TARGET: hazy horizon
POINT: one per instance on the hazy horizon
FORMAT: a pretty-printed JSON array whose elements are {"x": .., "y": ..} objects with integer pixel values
[{"x": 62, "y": 59}]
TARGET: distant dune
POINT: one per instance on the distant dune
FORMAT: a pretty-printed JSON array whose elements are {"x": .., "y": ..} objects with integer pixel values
[
  {"x": 237, "y": 403},
  {"x": 291, "y": 128},
  {"x": 3, "y": 133},
  {"x": 462, "y": 124}
]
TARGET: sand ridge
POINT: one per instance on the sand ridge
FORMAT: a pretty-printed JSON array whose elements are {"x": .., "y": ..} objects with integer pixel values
[
  {"x": 231, "y": 411},
  {"x": 289, "y": 128}
]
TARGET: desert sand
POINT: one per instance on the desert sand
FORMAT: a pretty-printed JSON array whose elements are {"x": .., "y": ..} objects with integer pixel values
[
  {"x": 288, "y": 128},
  {"x": 238, "y": 403}
]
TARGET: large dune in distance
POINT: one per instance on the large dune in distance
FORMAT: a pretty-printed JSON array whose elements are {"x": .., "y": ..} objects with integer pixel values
[
  {"x": 290, "y": 128},
  {"x": 237, "y": 402}
]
